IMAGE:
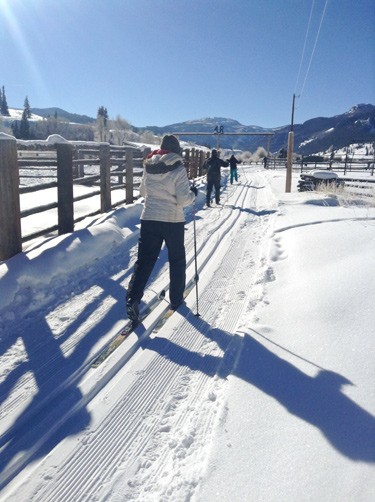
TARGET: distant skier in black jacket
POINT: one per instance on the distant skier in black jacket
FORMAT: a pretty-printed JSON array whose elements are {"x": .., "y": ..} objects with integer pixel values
[
  {"x": 213, "y": 165},
  {"x": 233, "y": 168}
]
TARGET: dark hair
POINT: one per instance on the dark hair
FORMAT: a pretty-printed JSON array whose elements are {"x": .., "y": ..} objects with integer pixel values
[{"x": 170, "y": 143}]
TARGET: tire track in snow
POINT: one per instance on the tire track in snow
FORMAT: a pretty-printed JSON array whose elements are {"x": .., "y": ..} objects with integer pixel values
[
  {"x": 26, "y": 387},
  {"x": 51, "y": 368},
  {"x": 166, "y": 418},
  {"x": 196, "y": 427},
  {"x": 223, "y": 225}
]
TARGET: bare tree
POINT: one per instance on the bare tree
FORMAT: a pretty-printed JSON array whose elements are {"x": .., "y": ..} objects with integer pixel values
[{"x": 120, "y": 129}]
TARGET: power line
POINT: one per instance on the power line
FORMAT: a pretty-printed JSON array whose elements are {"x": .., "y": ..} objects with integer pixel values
[
  {"x": 304, "y": 46},
  {"x": 313, "y": 51}
]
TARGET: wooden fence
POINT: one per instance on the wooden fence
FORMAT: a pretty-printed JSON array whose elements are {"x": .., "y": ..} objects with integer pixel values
[
  {"x": 103, "y": 167},
  {"x": 345, "y": 166}
]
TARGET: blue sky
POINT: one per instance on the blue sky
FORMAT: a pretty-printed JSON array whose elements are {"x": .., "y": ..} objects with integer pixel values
[{"x": 159, "y": 62}]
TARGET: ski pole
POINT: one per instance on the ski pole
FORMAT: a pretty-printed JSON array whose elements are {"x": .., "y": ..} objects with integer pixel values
[{"x": 196, "y": 277}]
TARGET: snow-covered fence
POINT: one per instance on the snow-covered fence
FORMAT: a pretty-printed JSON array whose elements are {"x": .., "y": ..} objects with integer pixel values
[
  {"x": 360, "y": 188},
  {"x": 102, "y": 168},
  {"x": 194, "y": 160},
  {"x": 68, "y": 163},
  {"x": 63, "y": 160},
  {"x": 344, "y": 166}
]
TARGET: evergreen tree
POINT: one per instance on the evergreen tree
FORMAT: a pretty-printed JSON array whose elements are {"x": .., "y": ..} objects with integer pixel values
[
  {"x": 26, "y": 107},
  {"x": 15, "y": 129},
  {"x": 102, "y": 121},
  {"x": 102, "y": 112},
  {"x": 3, "y": 103},
  {"x": 24, "y": 126}
]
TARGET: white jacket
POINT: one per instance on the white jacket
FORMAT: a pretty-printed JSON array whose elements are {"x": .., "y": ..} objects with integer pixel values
[{"x": 165, "y": 187}]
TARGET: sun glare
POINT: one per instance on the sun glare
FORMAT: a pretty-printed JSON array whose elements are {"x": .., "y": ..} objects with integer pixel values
[{"x": 10, "y": 12}]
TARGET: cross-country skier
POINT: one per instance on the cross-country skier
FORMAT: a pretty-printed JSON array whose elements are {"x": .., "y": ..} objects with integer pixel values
[
  {"x": 165, "y": 187},
  {"x": 233, "y": 168},
  {"x": 213, "y": 165}
]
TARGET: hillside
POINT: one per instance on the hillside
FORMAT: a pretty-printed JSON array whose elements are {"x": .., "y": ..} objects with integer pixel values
[
  {"x": 70, "y": 117},
  {"x": 357, "y": 125},
  {"x": 314, "y": 135}
]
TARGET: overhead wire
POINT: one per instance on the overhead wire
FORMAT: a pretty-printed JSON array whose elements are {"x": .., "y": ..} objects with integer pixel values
[
  {"x": 314, "y": 47},
  {"x": 304, "y": 46},
  {"x": 316, "y": 41}
]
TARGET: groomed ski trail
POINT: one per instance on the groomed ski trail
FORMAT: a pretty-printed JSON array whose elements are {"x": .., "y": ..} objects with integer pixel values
[{"x": 157, "y": 414}]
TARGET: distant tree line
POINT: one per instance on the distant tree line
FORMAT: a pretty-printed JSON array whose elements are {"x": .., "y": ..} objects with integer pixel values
[
  {"x": 41, "y": 129},
  {"x": 116, "y": 131}
]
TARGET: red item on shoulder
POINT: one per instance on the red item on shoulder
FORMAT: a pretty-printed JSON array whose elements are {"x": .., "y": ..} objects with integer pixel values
[{"x": 157, "y": 152}]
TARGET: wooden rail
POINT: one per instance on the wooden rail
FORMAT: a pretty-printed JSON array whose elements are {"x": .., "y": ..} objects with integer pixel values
[
  {"x": 343, "y": 166},
  {"x": 106, "y": 166}
]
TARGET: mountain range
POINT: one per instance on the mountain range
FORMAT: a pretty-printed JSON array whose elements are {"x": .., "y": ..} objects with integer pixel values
[
  {"x": 71, "y": 117},
  {"x": 357, "y": 125},
  {"x": 315, "y": 135}
]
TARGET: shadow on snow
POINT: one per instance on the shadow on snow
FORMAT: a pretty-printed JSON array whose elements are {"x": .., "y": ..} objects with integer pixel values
[{"x": 317, "y": 400}]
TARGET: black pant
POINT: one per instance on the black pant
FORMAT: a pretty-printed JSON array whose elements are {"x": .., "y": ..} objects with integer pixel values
[
  {"x": 213, "y": 181},
  {"x": 153, "y": 234}
]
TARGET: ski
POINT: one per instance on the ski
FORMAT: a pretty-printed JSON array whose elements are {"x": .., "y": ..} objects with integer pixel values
[
  {"x": 131, "y": 326},
  {"x": 164, "y": 318},
  {"x": 125, "y": 332},
  {"x": 115, "y": 343}
]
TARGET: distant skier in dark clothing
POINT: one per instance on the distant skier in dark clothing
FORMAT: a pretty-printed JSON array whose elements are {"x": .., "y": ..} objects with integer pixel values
[
  {"x": 213, "y": 165},
  {"x": 233, "y": 168}
]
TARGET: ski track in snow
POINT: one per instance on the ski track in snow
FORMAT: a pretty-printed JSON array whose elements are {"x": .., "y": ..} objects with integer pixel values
[{"x": 156, "y": 415}]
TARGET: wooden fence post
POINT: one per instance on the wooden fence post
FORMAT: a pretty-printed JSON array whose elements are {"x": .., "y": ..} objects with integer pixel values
[
  {"x": 187, "y": 160},
  {"x": 105, "y": 178},
  {"x": 201, "y": 162},
  {"x": 78, "y": 169},
  {"x": 129, "y": 177},
  {"x": 193, "y": 165},
  {"x": 65, "y": 208},
  {"x": 10, "y": 213}
]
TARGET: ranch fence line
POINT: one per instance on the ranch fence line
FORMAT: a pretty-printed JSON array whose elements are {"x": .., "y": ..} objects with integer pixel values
[
  {"x": 343, "y": 166},
  {"x": 103, "y": 167},
  {"x": 356, "y": 186}
]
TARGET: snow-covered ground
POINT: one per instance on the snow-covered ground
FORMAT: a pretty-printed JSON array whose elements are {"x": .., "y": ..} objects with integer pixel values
[{"x": 268, "y": 395}]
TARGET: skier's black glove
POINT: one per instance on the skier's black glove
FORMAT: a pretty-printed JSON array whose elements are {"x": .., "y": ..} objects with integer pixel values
[{"x": 194, "y": 190}]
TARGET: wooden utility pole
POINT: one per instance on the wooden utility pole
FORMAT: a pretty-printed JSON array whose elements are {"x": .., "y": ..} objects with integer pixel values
[{"x": 289, "y": 159}]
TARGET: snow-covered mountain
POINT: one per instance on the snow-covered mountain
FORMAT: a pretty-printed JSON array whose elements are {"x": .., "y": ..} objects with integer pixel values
[
  {"x": 356, "y": 125},
  {"x": 315, "y": 135},
  {"x": 70, "y": 117}
]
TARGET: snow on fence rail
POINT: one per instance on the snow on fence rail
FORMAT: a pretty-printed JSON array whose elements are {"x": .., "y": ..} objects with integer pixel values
[
  {"x": 360, "y": 187},
  {"x": 102, "y": 167},
  {"x": 344, "y": 166}
]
